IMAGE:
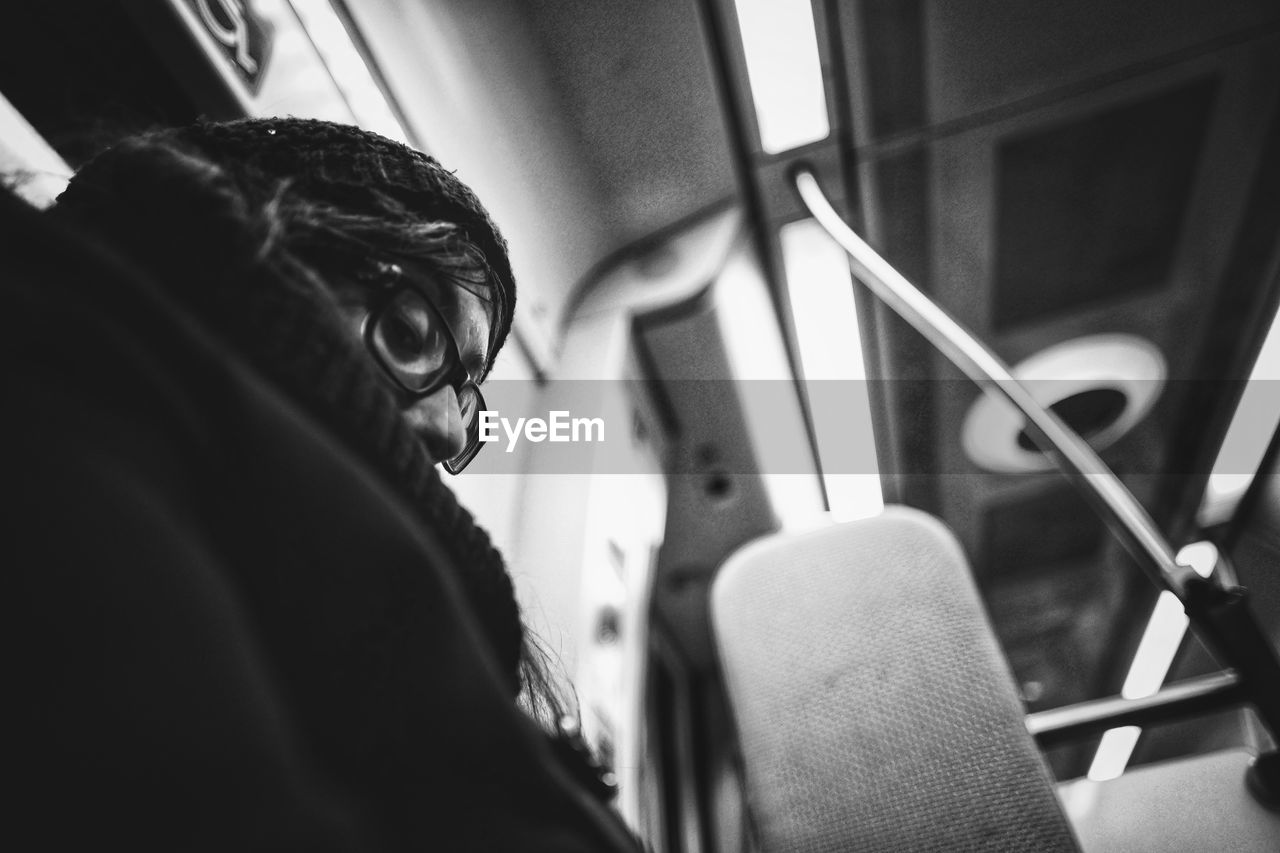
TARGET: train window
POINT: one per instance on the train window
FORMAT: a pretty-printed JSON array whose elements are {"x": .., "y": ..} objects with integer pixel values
[{"x": 35, "y": 170}]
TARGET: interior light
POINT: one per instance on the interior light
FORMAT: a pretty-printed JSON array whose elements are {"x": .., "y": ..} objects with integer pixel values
[
  {"x": 1254, "y": 423},
  {"x": 347, "y": 67},
  {"x": 758, "y": 359},
  {"x": 826, "y": 322},
  {"x": 1151, "y": 663},
  {"x": 784, "y": 71}
]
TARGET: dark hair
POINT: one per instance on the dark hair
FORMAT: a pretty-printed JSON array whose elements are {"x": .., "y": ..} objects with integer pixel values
[
  {"x": 266, "y": 243},
  {"x": 373, "y": 225},
  {"x": 322, "y": 233}
]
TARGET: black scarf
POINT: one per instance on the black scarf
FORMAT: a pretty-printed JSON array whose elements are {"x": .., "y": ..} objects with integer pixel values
[{"x": 222, "y": 258}]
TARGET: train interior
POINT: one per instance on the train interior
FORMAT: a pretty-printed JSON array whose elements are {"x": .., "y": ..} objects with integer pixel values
[{"x": 1092, "y": 188}]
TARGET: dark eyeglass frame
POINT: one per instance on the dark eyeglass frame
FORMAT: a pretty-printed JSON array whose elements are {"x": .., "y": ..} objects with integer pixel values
[{"x": 452, "y": 373}]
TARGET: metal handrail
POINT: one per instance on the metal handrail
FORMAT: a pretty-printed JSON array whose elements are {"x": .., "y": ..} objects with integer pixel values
[
  {"x": 1221, "y": 614},
  {"x": 1126, "y": 517}
]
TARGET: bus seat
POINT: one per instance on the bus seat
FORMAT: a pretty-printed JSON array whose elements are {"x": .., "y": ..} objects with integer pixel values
[
  {"x": 1200, "y": 801},
  {"x": 874, "y": 708}
]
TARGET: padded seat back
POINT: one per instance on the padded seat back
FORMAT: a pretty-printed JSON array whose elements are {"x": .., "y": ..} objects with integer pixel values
[{"x": 874, "y": 708}]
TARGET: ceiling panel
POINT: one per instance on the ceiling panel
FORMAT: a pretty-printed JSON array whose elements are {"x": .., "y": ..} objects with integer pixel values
[
  {"x": 1092, "y": 210},
  {"x": 986, "y": 54},
  {"x": 635, "y": 82}
]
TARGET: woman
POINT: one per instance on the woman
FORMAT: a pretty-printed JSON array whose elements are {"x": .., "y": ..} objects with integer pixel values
[{"x": 262, "y": 620}]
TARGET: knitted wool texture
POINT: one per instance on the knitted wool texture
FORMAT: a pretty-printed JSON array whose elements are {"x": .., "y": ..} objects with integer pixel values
[{"x": 314, "y": 154}]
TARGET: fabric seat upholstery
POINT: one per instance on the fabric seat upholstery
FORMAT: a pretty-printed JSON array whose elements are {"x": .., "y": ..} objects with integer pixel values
[{"x": 874, "y": 708}]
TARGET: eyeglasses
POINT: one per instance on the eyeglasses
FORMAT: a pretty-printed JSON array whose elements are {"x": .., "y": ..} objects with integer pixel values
[{"x": 412, "y": 344}]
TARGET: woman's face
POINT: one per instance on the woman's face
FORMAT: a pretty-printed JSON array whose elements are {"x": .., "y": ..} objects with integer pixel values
[{"x": 436, "y": 418}]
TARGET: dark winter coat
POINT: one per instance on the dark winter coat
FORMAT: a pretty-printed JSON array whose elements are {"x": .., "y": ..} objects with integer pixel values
[{"x": 230, "y": 629}]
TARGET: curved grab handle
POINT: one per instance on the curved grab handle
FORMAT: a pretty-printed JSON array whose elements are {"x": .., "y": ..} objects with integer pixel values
[{"x": 1077, "y": 460}]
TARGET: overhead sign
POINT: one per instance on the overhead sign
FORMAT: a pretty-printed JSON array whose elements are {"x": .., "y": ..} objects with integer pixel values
[{"x": 243, "y": 36}]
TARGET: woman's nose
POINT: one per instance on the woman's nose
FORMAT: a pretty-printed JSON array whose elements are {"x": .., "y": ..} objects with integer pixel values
[{"x": 437, "y": 419}]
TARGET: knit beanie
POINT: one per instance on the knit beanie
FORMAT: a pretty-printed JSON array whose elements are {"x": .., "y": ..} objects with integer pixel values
[{"x": 326, "y": 156}]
